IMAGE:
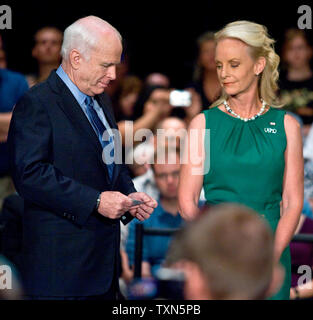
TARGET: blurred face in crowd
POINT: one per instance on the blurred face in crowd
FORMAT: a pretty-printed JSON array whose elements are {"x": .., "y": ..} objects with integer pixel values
[
  {"x": 93, "y": 75},
  {"x": 47, "y": 49},
  {"x": 235, "y": 67},
  {"x": 297, "y": 53},
  {"x": 3, "y": 61},
  {"x": 160, "y": 97},
  {"x": 129, "y": 93},
  {"x": 207, "y": 55},
  {"x": 174, "y": 131},
  {"x": 127, "y": 103},
  {"x": 166, "y": 178},
  {"x": 159, "y": 100}
]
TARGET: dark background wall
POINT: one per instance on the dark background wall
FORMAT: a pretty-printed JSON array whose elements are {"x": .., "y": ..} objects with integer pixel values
[{"x": 159, "y": 35}]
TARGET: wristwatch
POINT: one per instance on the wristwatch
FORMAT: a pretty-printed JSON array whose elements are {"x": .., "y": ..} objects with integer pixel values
[{"x": 98, "y": 202}]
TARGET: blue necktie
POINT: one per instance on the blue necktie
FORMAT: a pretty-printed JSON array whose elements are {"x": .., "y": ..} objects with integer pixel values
[{"x": 100, "y": 130}]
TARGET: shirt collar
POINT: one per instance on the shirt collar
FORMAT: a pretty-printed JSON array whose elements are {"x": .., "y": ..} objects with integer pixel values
[
  {"x": 164, "y": 214},
  {"x": 79, "y": 96}
]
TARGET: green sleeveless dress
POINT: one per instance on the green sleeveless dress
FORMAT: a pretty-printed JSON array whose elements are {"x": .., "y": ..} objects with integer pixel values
[{"x": 245, "y": 164}]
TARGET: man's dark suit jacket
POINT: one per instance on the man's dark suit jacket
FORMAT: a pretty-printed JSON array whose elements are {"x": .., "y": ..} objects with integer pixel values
[{"x": 56, "y": 157}]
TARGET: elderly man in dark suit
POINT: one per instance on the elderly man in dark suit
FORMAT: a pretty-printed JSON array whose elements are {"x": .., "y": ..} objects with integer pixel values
[{"x": 74, "y": 194}]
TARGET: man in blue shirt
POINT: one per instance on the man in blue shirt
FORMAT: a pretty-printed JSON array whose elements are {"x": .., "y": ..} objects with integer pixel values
[
  {"x": 12, "y": 87},
  {"x": 165, "y": 216}
]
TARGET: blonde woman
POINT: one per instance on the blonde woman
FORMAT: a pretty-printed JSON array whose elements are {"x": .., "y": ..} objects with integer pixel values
[{"x": 253, "y": 149}]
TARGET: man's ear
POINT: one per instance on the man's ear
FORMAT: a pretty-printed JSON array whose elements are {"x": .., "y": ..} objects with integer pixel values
[
  {"x": 277, "y": 280},
  {"x": 75, "y": 59},
  {"x": 259, "y": 65}
]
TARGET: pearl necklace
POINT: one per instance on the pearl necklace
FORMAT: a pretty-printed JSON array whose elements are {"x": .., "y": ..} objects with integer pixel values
[{"x": 245, "y": 119}]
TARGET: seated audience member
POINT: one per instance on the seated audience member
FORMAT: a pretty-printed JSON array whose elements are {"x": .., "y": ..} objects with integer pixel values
[
  {"x": 296, "y": 78},
  {"x": 12, "y": 87},
  {"x": 170, "y": 137},
  {"x": 138, "y": 159},
  {"x": 226, "y": 254},
  {"x": 302, "y": 255},
  {"x": 168, "y": 134},
  {"x": 165, "y": 216},
  {"x": 125, "y": 99},
  {"x": 47, "y": 52},
  {"x": 205, "y": 82}
]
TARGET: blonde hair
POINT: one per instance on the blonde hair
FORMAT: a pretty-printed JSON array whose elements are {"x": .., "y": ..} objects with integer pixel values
[{"x": 261, "y": 45}]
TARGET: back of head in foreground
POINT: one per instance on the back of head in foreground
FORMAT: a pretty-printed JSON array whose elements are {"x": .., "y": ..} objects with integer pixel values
[{"x": 225, "y": 254}]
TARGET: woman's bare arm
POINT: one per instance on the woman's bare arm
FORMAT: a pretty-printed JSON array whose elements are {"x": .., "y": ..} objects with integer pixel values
[
  {"x": 292, "y": 200},
  {"x": 191, "y": 172}
]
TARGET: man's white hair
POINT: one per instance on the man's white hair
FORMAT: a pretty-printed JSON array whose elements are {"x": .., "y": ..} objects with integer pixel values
[{"x": 83, "y": 35}]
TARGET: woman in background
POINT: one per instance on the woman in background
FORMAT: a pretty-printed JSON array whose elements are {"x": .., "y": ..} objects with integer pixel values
[
  {"x": 296, "y": 80},
  {"x": 205, "y": 81}
]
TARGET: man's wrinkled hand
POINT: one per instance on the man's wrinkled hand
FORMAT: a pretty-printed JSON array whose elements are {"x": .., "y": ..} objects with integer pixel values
[
  {"x": 114, "y": 204},
  {"x": 144, "y": 210}
]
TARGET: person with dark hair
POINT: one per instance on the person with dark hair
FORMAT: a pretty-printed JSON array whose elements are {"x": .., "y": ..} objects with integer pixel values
[
  {"x": 150, "y": 108},
  {"x": 296, "y": 80},
  {"x": 226, "y": 254},
  {"x": 47, "y": 52},
  {"x": 125, "y": 99},
  {"x": 205, "y": 81},
  {"x": 165, "y": 216}
]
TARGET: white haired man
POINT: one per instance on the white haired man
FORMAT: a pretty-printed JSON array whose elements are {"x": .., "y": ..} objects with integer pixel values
[{"x": 74, "y": 194}]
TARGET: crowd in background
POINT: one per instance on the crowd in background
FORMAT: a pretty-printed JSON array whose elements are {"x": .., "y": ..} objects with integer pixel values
[{"x": 145, "y": 103}]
